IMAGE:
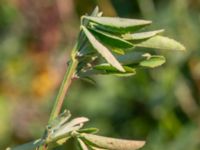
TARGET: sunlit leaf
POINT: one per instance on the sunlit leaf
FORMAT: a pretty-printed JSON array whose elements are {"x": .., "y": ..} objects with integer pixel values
[
  {"x": 67, "y": 128},
  {"x": 153, "y": 61},
  {"x": 118, "y": 51},
  {"x": 97, "y": 148},
  {"x": 141, "y": 35},
  {"x": 112, "y": 143},
  {"x": 60, "y": 120},
  {"x": 126, "y": 74},
  {"x": 118, "y": 25},
  {"x": 102, "y": 50},
  {"x": 161, "y": 42},
  {"x": 95, "y": 12},
  {"x": 82, "y": 145}
]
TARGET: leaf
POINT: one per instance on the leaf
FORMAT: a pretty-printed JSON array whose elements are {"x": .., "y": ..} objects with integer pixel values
[
  {"x": 59, "y": 142},
  {"x": 130, "y": 57},
  {"x": 102, "y": 50},
  {"x": 82, "y": 145},
  {"x": 107, "y": 69},
  {"x": 89, "y": 80},
  {"x": 95, "y": 12},
  {"x": 126, "y": 74},
  {"x": 88, "y": 130},
  {"x": 60, "y": 120},
  {"x": 112, "y": 143},
  {"x": 97, "y": 148},
  {"x": 28, "y": 146},
  {"x": 111, "y": 40},
  {"x": 153, "y": 61},
  {"x": 86, "y": 49},
  {"x": 118, "y": 25},
  {"x": 144, "y": 60},
  {"x": 142, "y": 35},
  {"x": 118, "y": 51},
  {"x": 73, "y": 125},
  {"x": 161, "y": 42}
]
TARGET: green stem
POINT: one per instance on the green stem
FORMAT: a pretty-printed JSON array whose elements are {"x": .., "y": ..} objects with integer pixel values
[{"x": 69, "y": 75}]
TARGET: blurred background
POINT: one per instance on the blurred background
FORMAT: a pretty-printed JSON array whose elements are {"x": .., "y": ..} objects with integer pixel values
[{"x": 161, "y": 105}]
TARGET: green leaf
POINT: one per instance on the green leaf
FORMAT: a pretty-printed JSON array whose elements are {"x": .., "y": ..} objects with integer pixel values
[
  {"x": 153, "y": 61},
  {"x": 144, "y": 60},
  {"x": 86, "y": 49},
  {"x": 118, "y": 51},
  {"x": 112, "y": 143},
  {"x": 108, "y": 69},
  {"x": 142, "y": 35},
  {"x": 126, "y": 74},
  {"x": 89, "y": 80},
  {"x": 111, "y": 40},
  {"x": 161, "y": 42},
  {"x": 130, "y": 57},
  {"x": 117, "y": 25},
  {"x": 102, "y": 50},
  {"x": 82, "y": 145},
  {"x": 66, "y": 129},
  {"x": 95, "y": 12},
  {"x": 88, "y": 130}
]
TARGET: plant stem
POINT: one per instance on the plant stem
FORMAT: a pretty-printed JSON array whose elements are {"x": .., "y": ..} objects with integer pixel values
[{"x": 69, "y": 75}]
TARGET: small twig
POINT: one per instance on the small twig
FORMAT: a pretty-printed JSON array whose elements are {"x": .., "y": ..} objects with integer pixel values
[{"x": 69, "y": 75}]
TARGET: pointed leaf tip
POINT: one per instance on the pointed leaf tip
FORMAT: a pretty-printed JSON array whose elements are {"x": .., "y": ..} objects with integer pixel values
[
  {"x": 95, "y": 11},
  {"x": 141, "y": 35},
  {"x": 118, "y": 25},
  {"x": 161, "y": 42}
]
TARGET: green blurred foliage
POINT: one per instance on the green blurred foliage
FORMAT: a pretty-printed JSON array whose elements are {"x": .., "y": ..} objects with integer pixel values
[{"x": 160, "y": 105}]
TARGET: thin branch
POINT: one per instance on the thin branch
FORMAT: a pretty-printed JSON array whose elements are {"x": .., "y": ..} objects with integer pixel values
[{"x": 69, "y": 75}]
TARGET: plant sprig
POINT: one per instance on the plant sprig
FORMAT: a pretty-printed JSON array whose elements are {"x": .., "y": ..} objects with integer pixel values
[{"x": 105, "y": 45}]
